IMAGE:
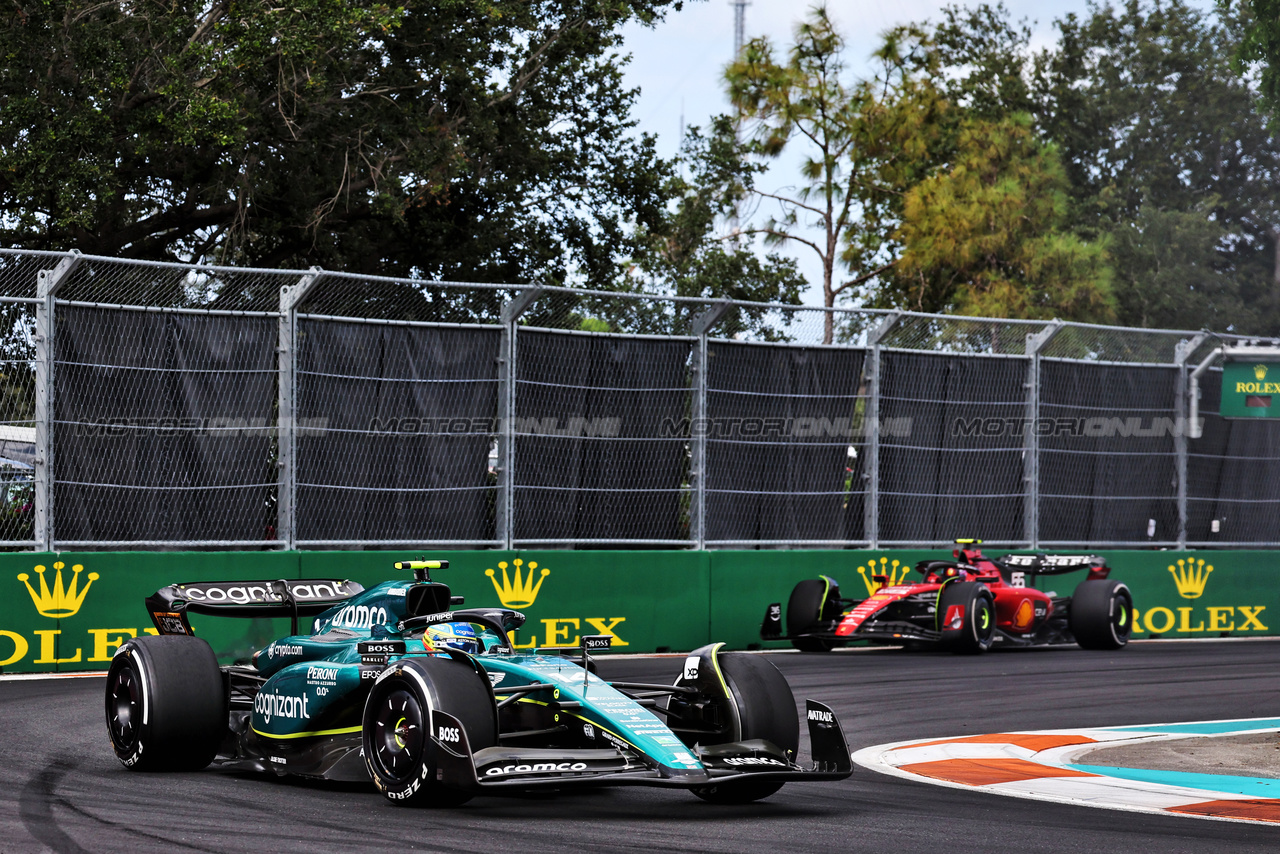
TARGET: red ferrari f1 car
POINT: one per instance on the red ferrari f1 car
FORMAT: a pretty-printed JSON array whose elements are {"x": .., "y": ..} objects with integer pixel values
[{"x": 968, "y": 604}]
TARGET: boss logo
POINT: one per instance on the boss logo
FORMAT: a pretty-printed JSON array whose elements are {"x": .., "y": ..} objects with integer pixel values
[{"x": 449, "y": 734}]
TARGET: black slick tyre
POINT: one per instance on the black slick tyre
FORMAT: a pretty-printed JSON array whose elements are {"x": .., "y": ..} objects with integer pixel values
[
  {"x": 766, "y": 710},
  {"x": 166, "y": 703},
  {"x": 967, "y": 617},
  {"x": 804, "y": 613},
  {"x": 399, "y": 750},
  {"x": 1101, "y": 614}
]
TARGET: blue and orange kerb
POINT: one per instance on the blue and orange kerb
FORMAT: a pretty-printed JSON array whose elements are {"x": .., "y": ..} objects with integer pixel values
[{"x": 1042, "y": 766}]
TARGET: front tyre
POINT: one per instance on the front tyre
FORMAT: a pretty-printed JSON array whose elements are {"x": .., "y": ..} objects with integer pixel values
[
  {"x": 399, "y": 749},
  {"x": 967, "y": 617},
  {"x": 804, "y": 613},
  {"x": 1101, "y": 614},
  {"x": 166, "y": 703},
  {"x": 766, "y": 709}
]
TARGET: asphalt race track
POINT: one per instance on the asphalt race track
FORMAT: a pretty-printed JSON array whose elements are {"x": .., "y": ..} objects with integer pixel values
[{"x": 61, "y": 789}]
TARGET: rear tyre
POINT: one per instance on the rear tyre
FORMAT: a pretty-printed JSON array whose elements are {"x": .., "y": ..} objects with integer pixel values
[
  {"x": 398, "y": 747},
  {"x": 166, "y": 703},
  {"x": 1101, "y": 614},
  {"x": 766, "y": 710},
  {"x": 967, "y": 613},
  {"x": 804, "y": 614}
]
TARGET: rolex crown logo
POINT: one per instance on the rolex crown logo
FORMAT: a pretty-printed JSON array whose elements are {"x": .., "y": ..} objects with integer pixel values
[
  {"x": 518, "y": 591},
  {"x": 894, "y": 573},
  {"x": 60, "y": 601},
  {"x": 1191, "y": 575},
  {"x": 1260, "y": 371}
]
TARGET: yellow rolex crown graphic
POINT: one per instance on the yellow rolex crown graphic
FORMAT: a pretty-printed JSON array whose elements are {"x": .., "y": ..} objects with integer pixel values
[
  {"x": 1191, "y": 575},
  {"x": 61, "y": 601},
  {"x": 1260, "y": 371},
  {"x": 895, "y": 570},
  {"x": 518, "y": 591}
]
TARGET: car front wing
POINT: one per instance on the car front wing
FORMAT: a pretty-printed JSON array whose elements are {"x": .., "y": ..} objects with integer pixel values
[{"x": 505, "y": 768}]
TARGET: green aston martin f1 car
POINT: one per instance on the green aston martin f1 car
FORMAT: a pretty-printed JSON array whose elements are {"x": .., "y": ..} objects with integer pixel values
[{"x": 431, "y": 701}]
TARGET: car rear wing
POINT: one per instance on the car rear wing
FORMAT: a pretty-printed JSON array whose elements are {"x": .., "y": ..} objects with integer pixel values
[
  {"x": 291, "y": 598},
  {"x": 1042, "y": 564}
]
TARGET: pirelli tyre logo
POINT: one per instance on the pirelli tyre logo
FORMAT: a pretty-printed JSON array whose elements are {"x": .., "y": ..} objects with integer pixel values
[{"x": 1190, "y": 577}]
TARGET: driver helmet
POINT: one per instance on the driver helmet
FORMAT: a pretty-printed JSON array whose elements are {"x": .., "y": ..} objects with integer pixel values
[{"x": 461, "y": 636}]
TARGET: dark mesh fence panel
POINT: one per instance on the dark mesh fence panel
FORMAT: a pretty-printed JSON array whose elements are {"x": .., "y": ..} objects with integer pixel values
[
  {"x": 1108, "y": 466},
  {"x": 163, "y": 426},
  {"x": 395, "y": 427},
  {"x": 951, "y": 450},
  {"x": 1233, "y": 475},
  {"x": 17, "y": 420},
  {"x": 402, "y": 424},
  {"x": 781, "y": 424},
  {"x": 601, "y": 437}
]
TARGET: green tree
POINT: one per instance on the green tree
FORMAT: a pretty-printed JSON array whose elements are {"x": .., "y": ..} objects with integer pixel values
[
  {"x": 861, "y": 140},
  {"x": 1170, "y": 272},
  {"x": 985, "y": 235},
  {"x": 1259, "y": 44},
  {"x": 1152, "y": 122},
  {"x": 426, "y": 138},
  {"x": 687, "y": 253}
]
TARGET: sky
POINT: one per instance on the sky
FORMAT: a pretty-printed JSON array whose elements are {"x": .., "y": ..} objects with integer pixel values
[{"x": 678, "y": 64}]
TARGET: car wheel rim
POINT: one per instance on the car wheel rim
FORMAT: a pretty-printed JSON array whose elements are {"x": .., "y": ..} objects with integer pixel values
[
  {"x": 982, "y": 620},
  {"x": 1120, "y": 623},
  {"x": 398, "y": 734},
  {"x": 123, "y": 707}
]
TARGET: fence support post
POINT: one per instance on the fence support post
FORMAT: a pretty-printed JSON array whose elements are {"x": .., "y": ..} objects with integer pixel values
[
  {"x": 47, "y": 284},
  {"x": 504, "y": 510},
  {"x": 1182, "y": 352},
  {"x": 871, "y": 427},
  {"x": 1036, "y": 342},
  {"x": 701, "y": 327},
  {"x": 291, "y": 297}
]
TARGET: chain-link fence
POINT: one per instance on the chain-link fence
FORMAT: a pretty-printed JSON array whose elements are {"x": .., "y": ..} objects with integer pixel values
[{"x": 171, "y": 405}]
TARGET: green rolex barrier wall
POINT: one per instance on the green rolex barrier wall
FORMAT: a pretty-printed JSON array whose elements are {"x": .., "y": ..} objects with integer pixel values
[{"x": 68, "y": 612}]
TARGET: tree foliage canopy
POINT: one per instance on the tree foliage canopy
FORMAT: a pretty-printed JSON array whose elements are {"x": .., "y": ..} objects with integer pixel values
[
  {"x": 467, "y": 139},
  {"x": 985, "y": 236},
  {"x": 862, "y": 141},
  {"x": 1161, "y": 139}
]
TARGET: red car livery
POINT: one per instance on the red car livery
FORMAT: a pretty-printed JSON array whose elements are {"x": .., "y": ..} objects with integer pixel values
[{"x": 968, "y": 604}]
